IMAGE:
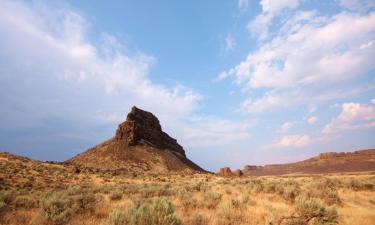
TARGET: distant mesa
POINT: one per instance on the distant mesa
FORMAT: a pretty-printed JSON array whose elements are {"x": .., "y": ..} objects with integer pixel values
[
  {"x": 227, "y": 172},
  {"x": 139, "y": 145},
  {"x": 328, "y": 162}
]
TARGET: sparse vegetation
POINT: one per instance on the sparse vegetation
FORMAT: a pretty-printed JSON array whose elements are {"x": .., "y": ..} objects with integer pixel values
[
  {"x": 160, "y": 212},
  {"x": 59, "y": 195}
]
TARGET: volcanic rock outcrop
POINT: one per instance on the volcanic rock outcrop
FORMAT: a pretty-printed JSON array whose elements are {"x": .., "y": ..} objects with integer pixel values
[
  {"x": 143, "y": 127},
  {"x": 139, "y": 145}
]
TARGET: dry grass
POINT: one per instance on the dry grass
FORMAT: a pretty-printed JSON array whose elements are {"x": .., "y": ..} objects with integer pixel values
[{"x": 40, "y": 193}]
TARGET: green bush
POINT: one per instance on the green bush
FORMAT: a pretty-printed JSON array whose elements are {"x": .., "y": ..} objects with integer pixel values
[
  {"x": 60, "y": 206},
  {"x": 118, "y": 217},
  {"x": 310, "y": 211},
  {"x": 160, "y": 212},
  {"x": 3, "y": 206},
  {"x": 56, "y": 209}
]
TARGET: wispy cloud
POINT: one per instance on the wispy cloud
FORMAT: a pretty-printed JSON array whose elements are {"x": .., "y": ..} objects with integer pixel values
[
  {"x": 259, "y": 27},
  {"x": 290, "y": 141},
  {"x": 312, "y": 120},
  {"x": 51, "y": 69},
  {"x": 353, "y": 116},
  {"x": 243, "y": 4},
  {"x": 301, "y": 58},
  {"x": 230, "y": 42}
]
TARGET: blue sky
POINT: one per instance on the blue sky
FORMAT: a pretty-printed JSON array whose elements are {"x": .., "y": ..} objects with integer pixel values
[{"x": 236, "y": 82}]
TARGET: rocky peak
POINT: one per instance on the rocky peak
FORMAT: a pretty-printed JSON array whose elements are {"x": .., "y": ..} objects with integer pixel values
[{"x": 143, "y": 128}]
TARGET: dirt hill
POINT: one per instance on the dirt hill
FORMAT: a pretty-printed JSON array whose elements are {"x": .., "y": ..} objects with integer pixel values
[
  {"x": 139, "y": 145},
  {"x": 330, "y": 162}
]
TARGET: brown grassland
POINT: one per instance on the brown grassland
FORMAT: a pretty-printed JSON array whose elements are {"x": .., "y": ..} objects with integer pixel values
[{"x": 34, "y": 192}]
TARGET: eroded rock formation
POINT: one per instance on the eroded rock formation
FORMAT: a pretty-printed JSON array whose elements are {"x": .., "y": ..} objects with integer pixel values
[{"x": 143, "y": 127}]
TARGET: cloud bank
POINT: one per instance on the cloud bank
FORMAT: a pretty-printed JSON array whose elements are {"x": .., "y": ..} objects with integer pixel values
[{"x": 53, "y": 69}]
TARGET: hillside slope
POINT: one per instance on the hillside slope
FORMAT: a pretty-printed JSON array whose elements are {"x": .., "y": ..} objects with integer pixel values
[{"x": 139, "y": 145}]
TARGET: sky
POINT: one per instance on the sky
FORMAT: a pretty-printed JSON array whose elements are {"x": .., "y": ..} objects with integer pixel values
[{"x": 236, "y": 82}]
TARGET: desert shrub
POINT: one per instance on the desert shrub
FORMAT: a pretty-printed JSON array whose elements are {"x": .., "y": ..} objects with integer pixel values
[
  {"x": 115, "y": 196},
  {"x": 245, "y": 198},
  {"x": 85, "y": 201},
  {"x": 270, "y": 187},
  {"x": 239, "y": 203},
  {"x": 7, "y": 196},
  {"x": 310, "y": 211},
  {"x": 118, "y": 217},
  {"x": 359, "y": 185},
  {"x": 272, "y": 216},
  {"x": 329, "y": 196},
  {"x": 26, "y": 202},
  {"x": 56, "y": 209},
  {"x": 3, "y": 206},
  {"x": 290, "y": 192},
  {"x": 211, "y": 199},
  {"x": 324, "y": 189},
  {"x": 256, "y": 185},
  {"x": 228, "y": 215},
  {"x": 198, "y": 219},
  {"x": 160, "y": 212},
  {"x": 188, "y": 202},
  {"x": 156, "y": 191}
]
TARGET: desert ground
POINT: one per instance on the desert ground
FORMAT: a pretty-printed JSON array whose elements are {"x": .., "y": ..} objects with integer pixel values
[{"x": 33, "y": 192}]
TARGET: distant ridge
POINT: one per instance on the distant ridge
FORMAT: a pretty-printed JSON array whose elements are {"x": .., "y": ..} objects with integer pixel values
[
  {"x": 139, "y": 145},
  {"x": 329, "y": 162}
]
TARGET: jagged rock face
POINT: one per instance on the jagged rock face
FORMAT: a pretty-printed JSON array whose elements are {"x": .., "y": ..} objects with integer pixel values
[
  {"x": 225, "y": 171},
  {"x": 143, "y": 127}
]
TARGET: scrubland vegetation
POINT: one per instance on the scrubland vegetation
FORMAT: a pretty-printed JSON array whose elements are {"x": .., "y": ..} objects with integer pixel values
[
  {"x": 37, "y": 193},
  {"x": 115, "y": 199}
]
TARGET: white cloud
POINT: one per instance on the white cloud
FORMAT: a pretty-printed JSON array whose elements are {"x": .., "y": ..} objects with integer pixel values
[
  {"x": 230, "y": 42},
  {"x": 301, "y": 60},
  {"x": 353, "y": 116},
  {"x": 259, "y": 27},
  {"x": 274, "y": 6},
  {"x": 51, "y": 70},
  {"x": 358, "y": 5},
  {"x": 213, "y": 131},
  {"x": 243, "y": 4},
  {"x": 290, "y": 141},
  {"x": 286, "y": 126},
  {"x": 312, "y": 120}
]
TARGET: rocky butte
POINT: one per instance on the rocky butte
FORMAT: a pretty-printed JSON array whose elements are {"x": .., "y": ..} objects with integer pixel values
[{"x": 139, "y": 145}]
